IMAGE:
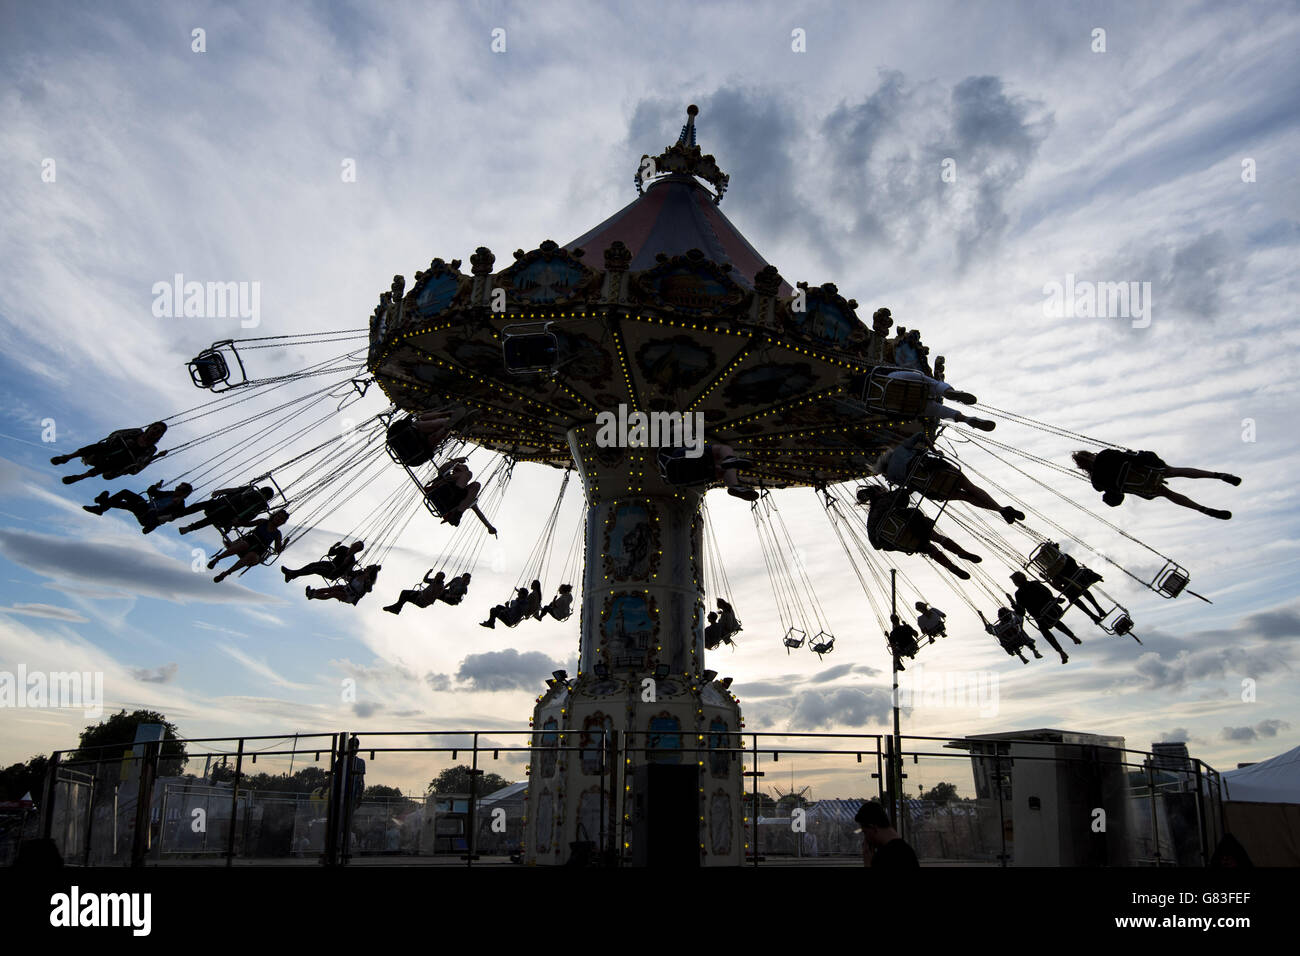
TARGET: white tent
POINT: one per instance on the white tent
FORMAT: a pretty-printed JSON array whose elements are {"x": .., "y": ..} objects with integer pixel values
[{"x": 1276, "y": 780}]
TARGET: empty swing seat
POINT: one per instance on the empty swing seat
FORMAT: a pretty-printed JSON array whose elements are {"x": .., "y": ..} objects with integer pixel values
[
  {"x": 823, "y": 643},
  {"x": 211, "y": 369},
  {"x": 794, "y": 638},
  {"x": 530, "y": 349},
  {"x": 1117, "y": 621},
  {"x": 1171, "y": 580}
]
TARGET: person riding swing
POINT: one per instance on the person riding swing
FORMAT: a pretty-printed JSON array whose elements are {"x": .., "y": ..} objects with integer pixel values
[
  {"x": 339, "y": 562},
  {"x": 902, "y": 640},
  {"x": 452, "y": 493},
  {"x": 420, "y": 597},
  {"x": 156, "y": 509},
  {"x": 717, "y": 462},
  {"x": 1073, "y": 580},
  {"x": 892, "y": 525},
  {"x": 508, "y": 614},
  {"x": 1010, "y": 633},
  {"x": 456, "y": 589},
  {"x": 1035, "y": 601},
  {"x": 1118, "y": 472},
  {"x": 127, "y": 451},
  {"x": 230, "y": 508},
  {"x": 931, "y": 621},
  {"x": 262, "y": 539},
  {"x": 560, "y": 606},
  {"x": 357, "y": 586},
  {"x": 918, "y": 466}
]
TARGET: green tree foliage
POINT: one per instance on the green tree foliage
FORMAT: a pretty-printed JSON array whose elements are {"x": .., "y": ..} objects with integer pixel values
[
  {"x": 941, "y": 793},
  {"x": 766, "y": 805},
  {"x": 117, "y": 734},
  {"x": 300, "y": 781},
  {"x": 19, "y": 779},
  {"x": 456, "y": 780}
]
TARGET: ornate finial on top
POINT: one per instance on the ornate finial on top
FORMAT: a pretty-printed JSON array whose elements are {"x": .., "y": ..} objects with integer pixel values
[
  {"x": 684, "y": 157},
  {"x": 687, "y": 135}
]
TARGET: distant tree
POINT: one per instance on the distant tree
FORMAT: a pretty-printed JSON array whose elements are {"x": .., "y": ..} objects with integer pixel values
[
  {"x": 941, "y": 793},
  {"x": 456, "y": 780},
  {"x": 397, "y": 801},
  {"x": 300, "y": 781},
  {"x": 766, "y": 805},
  {"x": 19, "y": 779},
  {"x": 102, "y": 743}
]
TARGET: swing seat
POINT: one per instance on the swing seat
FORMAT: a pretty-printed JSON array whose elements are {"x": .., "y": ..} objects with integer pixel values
[
  {"x": 822, "y": 643},
  {"x": 933, "y": 477},
  {"x": 892, "y": 396},
  {"x": 1072, "y": 587},
  {"x": 443, "y": 497},
  {"x": 1047, "y": 559},
  {"x": 1171, "y": 580},
  {"x": 211, "y": 369},
  {"x": 406, "y": 445},
  {"x": 794, "y": 638},
  {"x": 1009, "y": 630},
  {"x": 239, "y": 507},
  {"x": 901, "y": 530},
  {"x": 677, "y": 469},
  {"x": 907, "y": 648},
  {"x": 119, "y": 456},
  {"x": 1141, "y": 480},
  {"x": 1049, "y": 614},
  {"x": 1116, "y": 621},
  {"x": 530, "y": 349}
]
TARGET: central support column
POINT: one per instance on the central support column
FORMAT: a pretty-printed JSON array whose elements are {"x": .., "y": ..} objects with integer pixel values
[
  {"x": 641, "y": 673},
  {"x": 643, "y": 596}
]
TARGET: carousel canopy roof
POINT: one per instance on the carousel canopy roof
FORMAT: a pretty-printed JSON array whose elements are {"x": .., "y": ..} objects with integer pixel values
[{"x": 673, "y": 216}]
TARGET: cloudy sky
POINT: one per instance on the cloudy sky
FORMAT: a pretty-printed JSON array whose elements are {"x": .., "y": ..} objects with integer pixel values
[{"x": 1169, "y": 158}]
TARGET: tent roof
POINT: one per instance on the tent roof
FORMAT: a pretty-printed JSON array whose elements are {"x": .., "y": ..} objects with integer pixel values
[
  {"x": 505, "y": 793},
  {"x": 1276, "y": 780}
]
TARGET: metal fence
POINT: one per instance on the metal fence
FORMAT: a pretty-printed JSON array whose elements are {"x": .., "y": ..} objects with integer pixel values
[{"x": 339, "y": 799}]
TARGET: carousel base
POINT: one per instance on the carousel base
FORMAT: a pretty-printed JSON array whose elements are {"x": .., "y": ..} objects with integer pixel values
[{"x": 662, "y": 790}]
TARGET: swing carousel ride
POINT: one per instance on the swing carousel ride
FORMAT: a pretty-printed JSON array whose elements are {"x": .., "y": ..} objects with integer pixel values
[{"x": 661, "y": 313}]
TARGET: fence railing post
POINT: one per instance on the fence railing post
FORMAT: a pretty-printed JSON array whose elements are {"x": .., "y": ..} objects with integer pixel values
[
  {"x": 144, "y": 801},
  {"x": 331, "y": 855},
  {"x": 471, "y": 844},
  {"x": 234, "y": 803},
  {"x": 1155, "y": 822},
  {"x": 47, "y": 801},
  {"x": 1002, "y": 819}
]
